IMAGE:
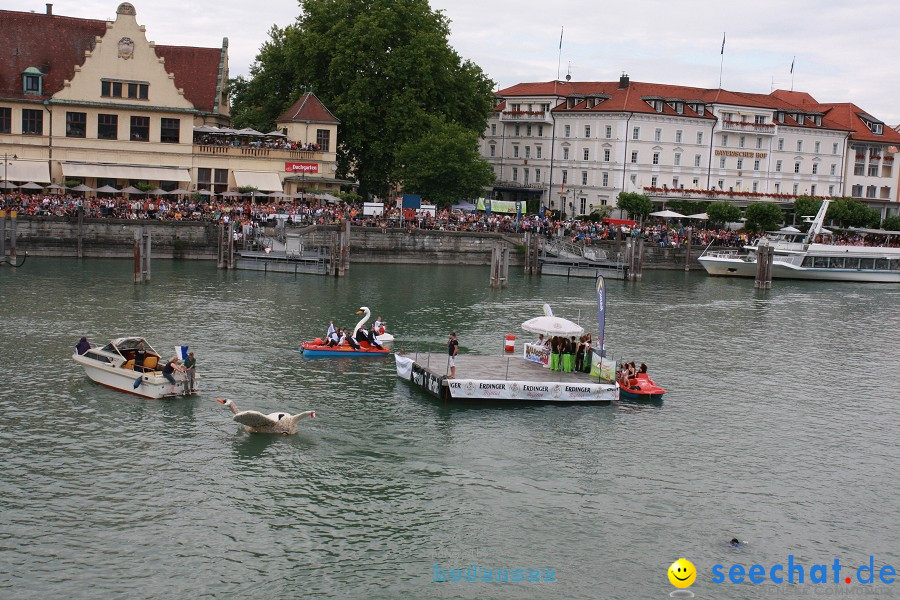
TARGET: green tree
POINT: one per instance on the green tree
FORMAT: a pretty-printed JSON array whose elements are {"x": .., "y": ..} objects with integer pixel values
[
  {"x": 848, "y": 212},
  {"x": 383, "y": 67},
  {"x": 805, "y": 206},
  {"x": 722, "y": 212},
  {"x": 891, "y": 223},
  {"x": 763, "y": 216},
  {"x": 638, "y": 206},
  {"x": 444, "y": 165}
]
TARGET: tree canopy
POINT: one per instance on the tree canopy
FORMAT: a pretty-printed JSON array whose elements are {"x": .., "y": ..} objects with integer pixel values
[
  {"x": 805, "y": 206},
  {"x": 891, "y": 223},
  {"x": 722, "y": 212},
  {"x": 383, "y": 67},
  {"x": 763, "y": 216},
  {"x": 636, "y": 205},
  {"x": 848, "y": 212}
]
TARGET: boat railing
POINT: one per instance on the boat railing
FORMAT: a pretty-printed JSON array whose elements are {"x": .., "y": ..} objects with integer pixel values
[{"x": 724, "y": 254}]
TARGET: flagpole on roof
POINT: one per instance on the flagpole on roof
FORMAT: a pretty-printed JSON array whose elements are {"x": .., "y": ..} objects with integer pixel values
[
  {"x": 722, "y": 60},
  {"x": 793, "y": 60},
  {"x": 559, "y": 59}
]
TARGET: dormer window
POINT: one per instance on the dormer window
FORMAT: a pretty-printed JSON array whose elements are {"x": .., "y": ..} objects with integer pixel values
[
  {"x": 818, "y": 120},
  {"x": 800, "y": 119},
  {"x": 679, "y": 107},
  {"x": 32, "y": 81}
]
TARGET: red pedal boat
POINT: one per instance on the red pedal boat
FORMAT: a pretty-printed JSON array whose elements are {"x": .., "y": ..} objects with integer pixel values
[
  {"x": 317, "y": 348},
  {"x": 640, "y": 387}
]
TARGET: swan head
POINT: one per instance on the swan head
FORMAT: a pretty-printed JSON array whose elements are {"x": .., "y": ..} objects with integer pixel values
[
  {"x": 225, "y": 402},
  {"x": 312, "y": 414},
  {"x": 363, "y": 309}
]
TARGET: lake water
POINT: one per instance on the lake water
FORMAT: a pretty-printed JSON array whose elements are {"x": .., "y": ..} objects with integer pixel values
[{"x": 780, "y": 428}]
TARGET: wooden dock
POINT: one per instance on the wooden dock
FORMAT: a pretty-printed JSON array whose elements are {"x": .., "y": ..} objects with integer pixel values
[{"x": 508, "y": 377}]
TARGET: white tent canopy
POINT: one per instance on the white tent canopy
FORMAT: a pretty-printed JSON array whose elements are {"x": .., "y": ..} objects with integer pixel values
[
  {"x": 699, "y": 216},
  {"x": 550, "y": 325},
  {"x": 667, "y": 214},
  {"x": 261, "y": 180}
]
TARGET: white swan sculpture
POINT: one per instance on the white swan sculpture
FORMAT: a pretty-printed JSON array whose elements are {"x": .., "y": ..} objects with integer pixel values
[
  {"x": 383, "y": 337},
  {"x": 256, "y": 422}
]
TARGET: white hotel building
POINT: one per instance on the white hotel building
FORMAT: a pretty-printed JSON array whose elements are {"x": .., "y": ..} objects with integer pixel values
[{"x": 573, "y": 146}]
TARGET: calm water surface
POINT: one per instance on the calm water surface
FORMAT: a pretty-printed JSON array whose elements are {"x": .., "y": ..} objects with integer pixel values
[{"x": 779, "y": 427}]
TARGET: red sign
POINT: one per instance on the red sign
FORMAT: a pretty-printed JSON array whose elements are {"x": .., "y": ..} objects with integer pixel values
[{"x": 295, "y": 167}]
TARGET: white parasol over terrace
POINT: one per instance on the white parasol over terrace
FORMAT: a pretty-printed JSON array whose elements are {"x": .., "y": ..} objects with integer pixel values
[{"x": 550, "y": 325}]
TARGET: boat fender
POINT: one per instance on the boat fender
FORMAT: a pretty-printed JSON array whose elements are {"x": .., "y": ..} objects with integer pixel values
[
  {"x": 137, "y": 382},
  {"x": 317, "y": 341}
]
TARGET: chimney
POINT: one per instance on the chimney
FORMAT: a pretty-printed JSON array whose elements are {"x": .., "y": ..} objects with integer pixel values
[
  {"x": 623, "y": 81},
  {"x": 49, "y": 9}
]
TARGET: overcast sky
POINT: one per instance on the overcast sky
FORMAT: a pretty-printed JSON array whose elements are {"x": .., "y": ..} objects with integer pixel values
[{"x": 845, "y": 52}]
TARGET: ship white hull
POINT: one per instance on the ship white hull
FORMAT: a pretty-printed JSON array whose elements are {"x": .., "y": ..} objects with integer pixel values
[
  {"x": 736, "y": 267},
  {"x": 153, "y": 384}
]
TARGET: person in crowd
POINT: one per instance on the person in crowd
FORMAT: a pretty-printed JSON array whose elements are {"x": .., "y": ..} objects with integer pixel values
[
  {"x": 82, "y": 346},
  {"x": 643, "y": 368},
  {"x": 554, "y": 353},
  {"x": 379, "y": 325},
  {"x": 540, "y": 341},
  {"x": 346, "y": 338},
  {"x": 332, "y": 337},
  {"x": 190, "y": 369},
  {"x": 586, "y": 364},
  {"x": 579, "y": 355},
  {"x": 373, "y": 337},
  {"x": 330, "y": 330},
  {"x": 173, "y": 364},
  {"x": 452, "y": 350},
  {"x": 140, "y": 353}
]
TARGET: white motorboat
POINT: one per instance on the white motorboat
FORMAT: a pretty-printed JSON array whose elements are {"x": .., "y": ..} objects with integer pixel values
[
  {"x": 798, "y": 255},
  {"x": 113, "y": 366}
]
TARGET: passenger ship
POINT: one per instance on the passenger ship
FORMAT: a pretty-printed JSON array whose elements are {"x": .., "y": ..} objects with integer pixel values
[{"x": 799, "y": 255}]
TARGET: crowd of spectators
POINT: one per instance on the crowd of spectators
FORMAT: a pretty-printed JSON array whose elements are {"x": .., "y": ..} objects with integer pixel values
[
  {"x": 260, "y": 214},
  {"x": 275, "y": 143}
]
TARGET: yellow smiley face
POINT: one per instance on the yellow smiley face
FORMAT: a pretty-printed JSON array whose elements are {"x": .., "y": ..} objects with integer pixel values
[{"x": 682, "y": 573}]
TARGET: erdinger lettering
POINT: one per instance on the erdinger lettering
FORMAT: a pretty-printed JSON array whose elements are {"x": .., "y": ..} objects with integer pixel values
[
  {"x": 795, "y": 573},
  {"x": 492, "y": 386},
  {"x": 573, "y": 388},
  {"x": 535, "y": 388}
]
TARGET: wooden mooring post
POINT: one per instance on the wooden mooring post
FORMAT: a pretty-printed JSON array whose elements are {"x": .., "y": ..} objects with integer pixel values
[
  {"x": 2, "y": 236},
  {"x": 532, "y": 253},
  {"x": 764, "y": 259},
  {"x": 499, "y": 265},
  {"x": 142, "y": 249},
  {"x": 220, "y": 256},
  {"x": 634, "y": 258},
  {"x": 79, "y": 251},
  {"x": 344, "y": 249},
  {"x": 687, "y": 248}
]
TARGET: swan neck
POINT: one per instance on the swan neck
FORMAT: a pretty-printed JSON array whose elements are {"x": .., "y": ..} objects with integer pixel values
[{"x": 366, "y": 315}]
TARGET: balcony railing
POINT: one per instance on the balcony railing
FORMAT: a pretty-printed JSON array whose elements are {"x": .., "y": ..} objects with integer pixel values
[
  {"x": 247, "y": 151},
  {"x": 539, "y": 116},
  {"x": 689, "y": 194},
  {"x": 750, "y": 127}
]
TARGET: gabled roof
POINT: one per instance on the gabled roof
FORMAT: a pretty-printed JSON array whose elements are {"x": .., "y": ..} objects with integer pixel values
[
  {"x": 56, "y": 45},
  {"x": 308, "y": 108},
  {"x": 848, "y": 115}
]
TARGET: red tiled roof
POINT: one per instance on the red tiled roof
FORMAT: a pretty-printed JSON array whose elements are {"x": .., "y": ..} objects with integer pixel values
[
  {"x": 196, "y": 71},
  {"x": 37, "y": 39},
  {"x": 308, "y": 108},
  {"x": 848, "y": 115}
]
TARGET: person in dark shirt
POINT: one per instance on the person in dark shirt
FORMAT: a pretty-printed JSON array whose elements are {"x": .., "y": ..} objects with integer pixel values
[
  {"x": 82, "y": 346},
  {"x": 139, "y": 355},
  {"x": 172, "y": 366},
  {"x": 190, "y": 364},
  {"x": 452, "y": 350}
]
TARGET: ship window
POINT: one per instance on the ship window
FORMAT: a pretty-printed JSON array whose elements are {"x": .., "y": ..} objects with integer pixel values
[
  {"x": 821, "y": 262},
  {"x": 852, "y": 263},
  {"x": 867, "y": 263},
  {"x": 882, "y": 264},
  {"x": 837, "y": 262},
  {"x": 808, "y": 262}
]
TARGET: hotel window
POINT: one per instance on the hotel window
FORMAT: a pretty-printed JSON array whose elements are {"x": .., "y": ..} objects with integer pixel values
[
  {"x": 831, "y": 190},
  {"x": 834, "y": 148},
  {"x": 493, "y": 129},
  {"x": 696, "y": 183},
  {"x": 537, "y": 151},
  {"x": 493, "y": 150},
  {"x": 605, "y": 179},
  {"x": 777, "y": 188},
  {"x": 636, "y": 133},
  {"x": 781, "y": 143},
  {"x": 756, "y": 165},
  {"x": 107, "y": 127},
  {"x": 657, "y": 135},
  {"x": 675, "y": 182},
  {"x": 755, "y": 187},
  {"x": 815, "y": 168},
  {"x": 697, "y": 159},
  {"x": 796, "y": 188},
  {"x": 873, "y": 169},
  {"x": 138, "y": 90},
  {"x": 812, "y": 190},
  {"x": 634, "y": 157},
  {"x": 584, "y": 178},
  {"x": 633, "y": 179},
  {"x": 677, "y": 159},
  {"x": 653, "y": 181},
  {"x": 567, "y": 130},
  {"x": 721, "y": 184},
  {"x": 537, "y": 175},
  {"x": 515, "y": 174},
  {"x": 76, "y": 124},
  {"x": 32, "y": 122},
  {"x": 5, "y": 119},
  {"x": 515, "y": 152},
  {"x": 32, "y": 84},
  {"x": 678, "y": 136},
  {"x": 799, "y": 145},
  {"x": 170, "y": 130},
  {"x": 323, "y": 140},
  {"x": 526, "y": 176},
  {"x": 204, "y": 178},
  {"x": 699, "y": 137},
  {"x": 528, "y": 130},
  {"x": 759, "y": 120},
  {"x": 758, "y": 143},
  {"x": 656, "y": 158},
  {"x": 140, "y": 129},
  {"x": 796, "y": 167},
  {"x": 606, "y": 155},
  {"x": 565, "y": 176},
  {"x": 221, "y": 179},
  {"x": 527, "y": 151},
  {"x": 833, "y": 167},
  {"x": 540, "y": 131},
  {"x": 722, "y": 162},
  {"x": 777, "y": 166},
  {"x": 727, "y": 116},
  {"x": 518, "y": 129},
  {"x": 587, "y": 131},
  {"x": 608, "y": 131},
  {"x": 724, "y": 140},
  {"x": 565, "y": 154},
  {"x": 818, "y": 144},
  {"x": 587, "y": 154},
  {"x": 857, "y": 191},
  {"x": 740, "y": 164},
  {"x": 741, "y": 141},
  {"x": 583, "y": 202}
]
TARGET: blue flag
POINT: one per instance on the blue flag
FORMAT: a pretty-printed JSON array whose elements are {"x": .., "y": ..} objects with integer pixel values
[
  {"x": 487, "y": 206},
  {"x": 601, "y": 315}
]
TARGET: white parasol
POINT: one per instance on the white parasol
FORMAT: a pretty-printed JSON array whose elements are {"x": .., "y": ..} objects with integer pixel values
[
  {"x": 550, "y": 325},
  {"x": 667, "y": 214}
]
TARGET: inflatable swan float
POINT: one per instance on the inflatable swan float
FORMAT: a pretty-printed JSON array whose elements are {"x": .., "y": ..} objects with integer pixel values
[
  {"x": 256, "y": 422},
  {"x": 367, "y": 314}
]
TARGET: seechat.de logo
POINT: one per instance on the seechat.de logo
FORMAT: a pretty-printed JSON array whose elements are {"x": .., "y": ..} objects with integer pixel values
[{"x": 682, "y": 573}]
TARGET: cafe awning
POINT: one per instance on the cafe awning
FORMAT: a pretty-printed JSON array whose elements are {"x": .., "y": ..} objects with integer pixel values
[
  {"x": 106, "y": 171},
  {"x": 25, "y": 170},
  {"x": 263, "y": 181}
]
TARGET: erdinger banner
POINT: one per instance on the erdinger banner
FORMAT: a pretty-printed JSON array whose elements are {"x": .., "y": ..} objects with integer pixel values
[{"x": 531, "y": 390}]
